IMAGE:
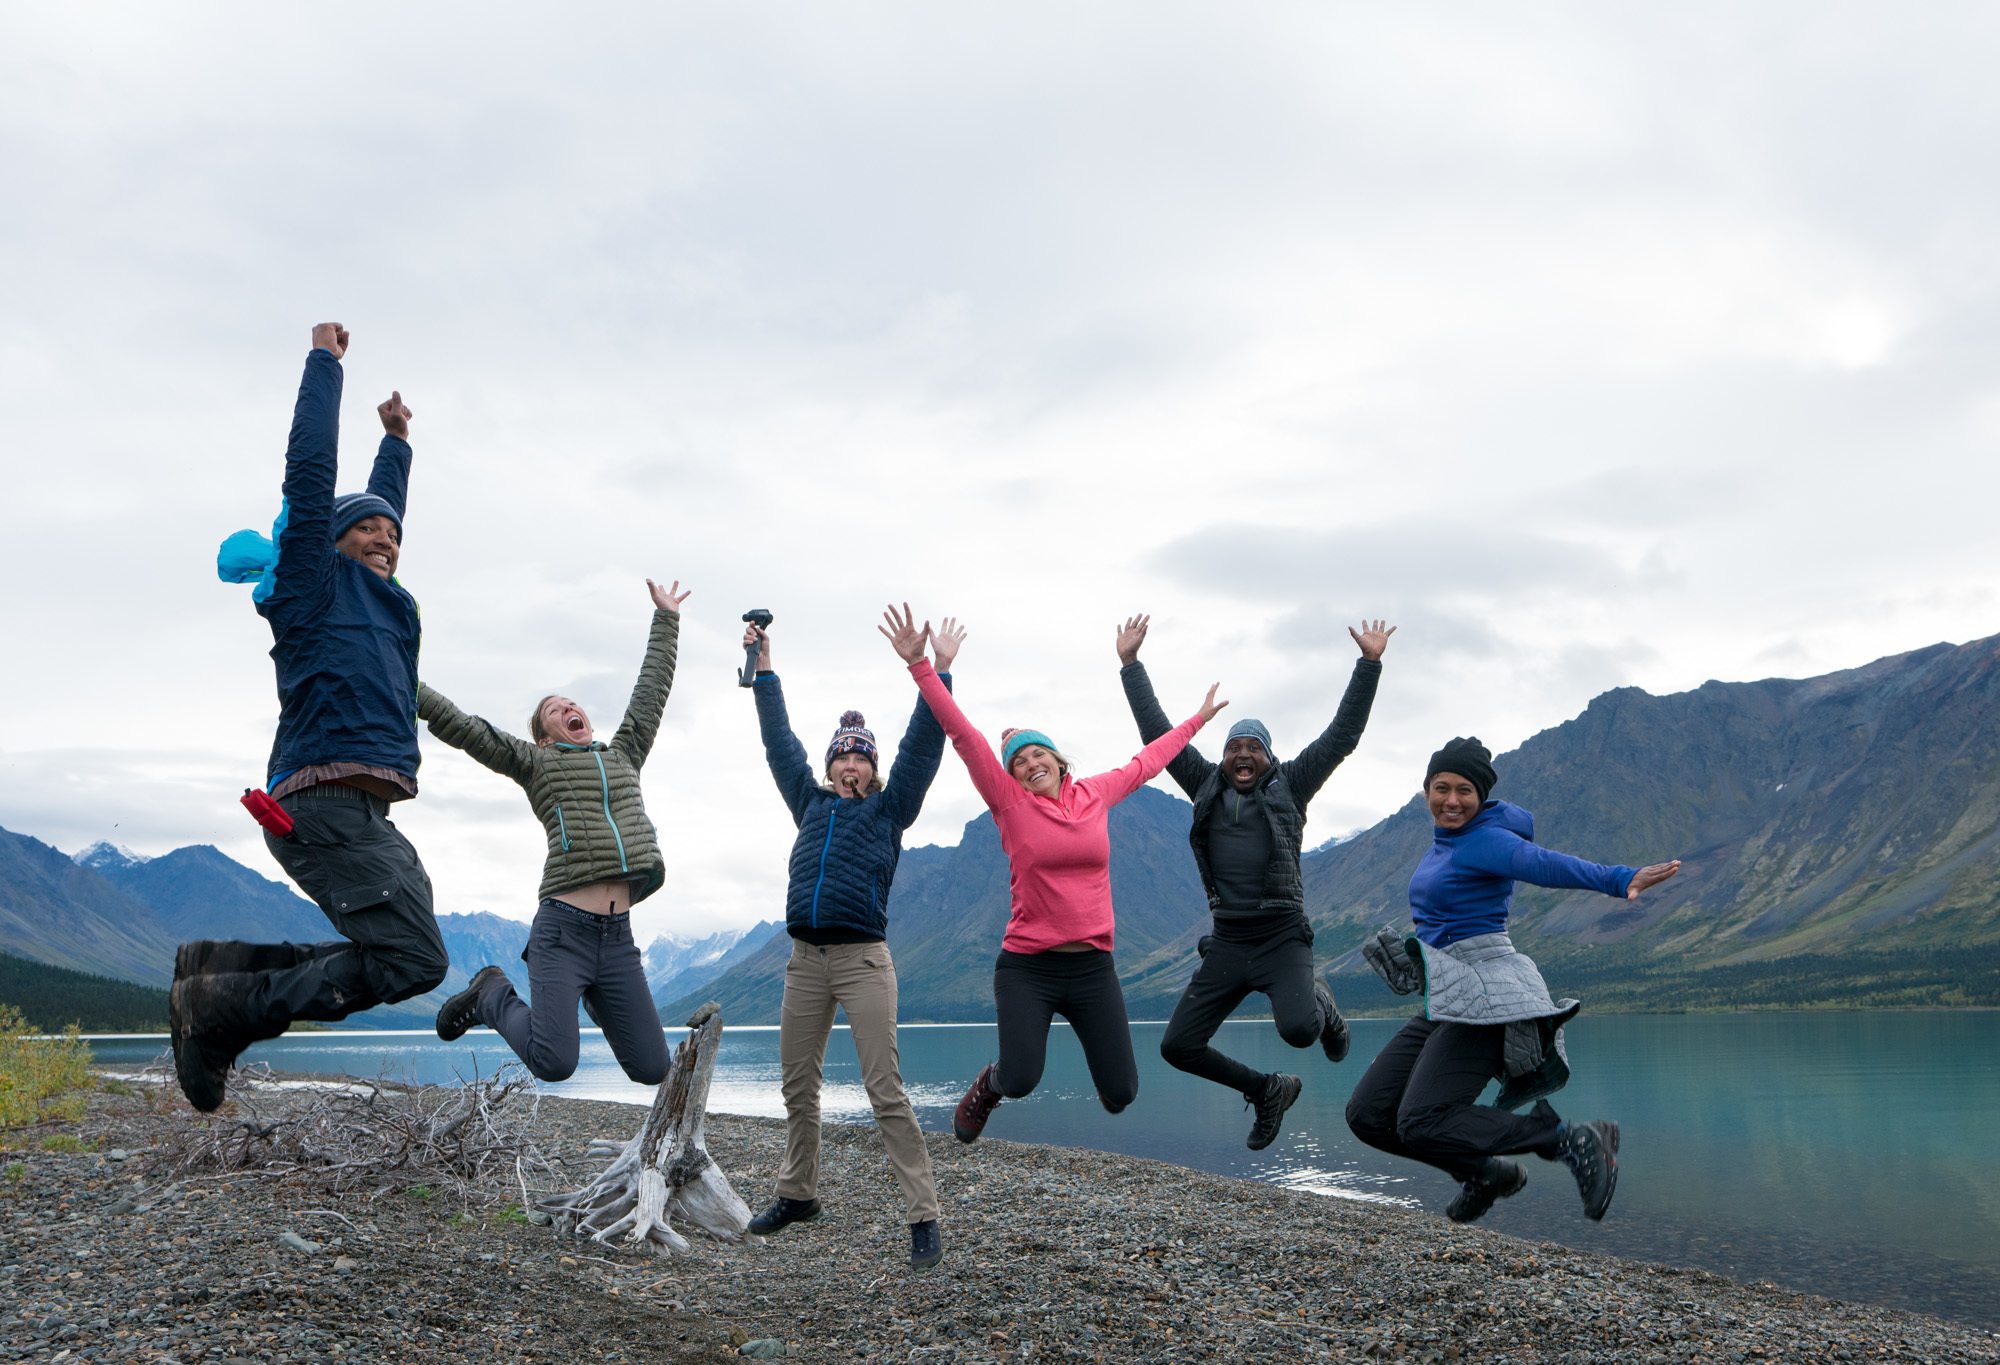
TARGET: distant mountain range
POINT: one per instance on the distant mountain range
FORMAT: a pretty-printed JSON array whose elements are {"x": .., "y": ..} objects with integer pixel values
[
  {"x": 108, "y": 912},
  {"x": 1840, "y": 834},
  {"x": 1840, "y": 838}
]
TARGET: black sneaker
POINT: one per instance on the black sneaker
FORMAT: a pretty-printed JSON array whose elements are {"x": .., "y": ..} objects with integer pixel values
[
  {"x": 1590, "y": 1150},
  {"x": 785, "y": 1212},
  {"x": 926, "y": 1246},
  {"x": 968, "y": 1121},
  {"x": 1281, "y": 1092},
  {"x": 1333, "y": 1038},
  {"x": 460, "y": 1013},
  {"x": 1501, "y": 1179}
]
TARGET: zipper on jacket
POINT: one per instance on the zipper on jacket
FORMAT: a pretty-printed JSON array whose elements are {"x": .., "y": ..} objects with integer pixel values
[
  {"x": 604, "y": 781},
  {"x": 831, "y": 816},
  {"x": 562, "y": 827}
]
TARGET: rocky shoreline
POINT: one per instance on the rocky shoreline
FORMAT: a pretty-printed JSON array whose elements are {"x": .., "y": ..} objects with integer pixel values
[{"x": 1051, "y": 1254}]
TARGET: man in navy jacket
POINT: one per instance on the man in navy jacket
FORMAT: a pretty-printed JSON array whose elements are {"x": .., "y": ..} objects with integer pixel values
[{"x": 345, "y": 636}]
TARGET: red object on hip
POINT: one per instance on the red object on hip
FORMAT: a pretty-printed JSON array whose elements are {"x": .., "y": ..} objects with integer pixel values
[{"x": 267, "y": 812}]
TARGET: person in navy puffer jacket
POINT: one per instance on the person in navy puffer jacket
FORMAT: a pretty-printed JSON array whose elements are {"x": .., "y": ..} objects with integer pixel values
[
  {"x": 345, "y": 637},
  {"x": 851, "y": 825}
]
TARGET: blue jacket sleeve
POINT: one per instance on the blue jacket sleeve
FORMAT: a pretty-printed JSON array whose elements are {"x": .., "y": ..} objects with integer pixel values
[
  {"x": 390, "y": 479},
  {"x": 305, "y": 546},
  {"x": 782, "y": 750},
  {"x": 1506, "y": 854},
  {"x": 916, "y": 766}
]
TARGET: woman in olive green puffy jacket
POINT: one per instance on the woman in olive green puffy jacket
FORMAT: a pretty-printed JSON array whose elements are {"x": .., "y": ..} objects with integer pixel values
[{"x": 603, "y": 856}]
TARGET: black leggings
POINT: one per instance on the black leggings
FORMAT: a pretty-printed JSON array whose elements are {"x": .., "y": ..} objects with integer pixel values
[
  {"x": 1419, "y": 1100},
  {"x": 1029, "y": 989}
]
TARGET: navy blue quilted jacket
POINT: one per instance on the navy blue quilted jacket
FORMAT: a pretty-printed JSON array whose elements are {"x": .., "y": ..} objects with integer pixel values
[
  {"x": 344, "y": 640},
  {"x": 847, "y": 849}
]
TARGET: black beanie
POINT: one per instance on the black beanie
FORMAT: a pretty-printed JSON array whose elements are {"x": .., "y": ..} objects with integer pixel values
[{"x": 1468, "y": 758}]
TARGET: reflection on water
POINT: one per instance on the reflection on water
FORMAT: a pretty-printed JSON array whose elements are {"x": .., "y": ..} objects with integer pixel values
[{"x": 1845, "y": 1153}]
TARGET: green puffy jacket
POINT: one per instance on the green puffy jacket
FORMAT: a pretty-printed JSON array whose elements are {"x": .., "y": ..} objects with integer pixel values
[{"x": 587, "y": 796}]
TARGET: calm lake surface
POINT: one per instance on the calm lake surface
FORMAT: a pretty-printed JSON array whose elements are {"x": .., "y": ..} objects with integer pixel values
[{"x": 1851, "y": 1154}]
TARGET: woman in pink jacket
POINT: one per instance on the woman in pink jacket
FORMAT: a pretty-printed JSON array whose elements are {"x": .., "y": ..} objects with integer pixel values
[{"x": 1056, "y": 955}]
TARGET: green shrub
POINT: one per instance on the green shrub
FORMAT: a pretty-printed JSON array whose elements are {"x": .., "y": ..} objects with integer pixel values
[{"x": 41, "y": 1079}]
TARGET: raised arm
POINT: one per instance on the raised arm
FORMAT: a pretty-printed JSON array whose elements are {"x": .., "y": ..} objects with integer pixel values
[
  {"x": 1315, "y": 763},
  {"x": 1150, "y": 761},
  {"x": 989, "y": 779},
  {"x": 641, "y": 725},
  {"x": 484, "y": 741},
  {"x": 922, "y": 749},
  {"x": 312, "y": 459},
  {"x": 790, "y": 767},
  {"x": 1189, "y": 768},
  {"x": 390, "y": 479}
]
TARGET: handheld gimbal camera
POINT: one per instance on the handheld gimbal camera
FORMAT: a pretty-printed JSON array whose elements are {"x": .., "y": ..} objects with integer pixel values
[{"x": 761, "y": 619}]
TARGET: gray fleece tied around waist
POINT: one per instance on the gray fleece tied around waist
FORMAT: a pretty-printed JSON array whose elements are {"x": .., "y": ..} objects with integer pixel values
[{"x": 1485, "y": 980}]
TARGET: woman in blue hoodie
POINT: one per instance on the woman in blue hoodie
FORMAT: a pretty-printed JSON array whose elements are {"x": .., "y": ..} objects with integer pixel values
[
  {"x": 850, "y": 824},
  {"x": 1487, "y": 1014}
]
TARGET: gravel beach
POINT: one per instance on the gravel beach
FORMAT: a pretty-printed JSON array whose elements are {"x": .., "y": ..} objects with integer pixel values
[{"x": 1051, "y": 1254}]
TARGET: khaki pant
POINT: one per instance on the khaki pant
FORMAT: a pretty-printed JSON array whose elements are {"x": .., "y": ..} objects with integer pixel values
[{"x": 860, "y": 978}]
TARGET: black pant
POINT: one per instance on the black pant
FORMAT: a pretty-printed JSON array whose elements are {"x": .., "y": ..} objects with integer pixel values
[
  {"x": 1029, "y": 989},
  {"x": 363, "y": 874},
  {"x": 574, "y": 955},
  {"x": 1419, "y": 1100},
  {"x": 1280, "y": 966}
]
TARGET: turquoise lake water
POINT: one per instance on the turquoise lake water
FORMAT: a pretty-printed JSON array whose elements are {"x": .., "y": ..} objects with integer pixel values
[{"x": 1851, "y": 1154}]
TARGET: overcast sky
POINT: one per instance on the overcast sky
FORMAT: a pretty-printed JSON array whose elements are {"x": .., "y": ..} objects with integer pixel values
[{"x": 1593, "y": 345}]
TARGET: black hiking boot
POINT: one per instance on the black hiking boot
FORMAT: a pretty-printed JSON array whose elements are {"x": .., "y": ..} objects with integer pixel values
[
  {"x": 1590, "y": 1150},
  {"x": 213, "y": 956},
  {"x": 1333, "y": 1037},
  {"x": 460, "y": 1013},
  {"x": 1499, "y": 1179},
  {"x": 926, "y": 1246},
  {"x": 968, "y": 1121},
  {"x": 205, "y": 1047},
  {"x": 785, "y": 1212},
  {"x": 1280, "y": 1093}
]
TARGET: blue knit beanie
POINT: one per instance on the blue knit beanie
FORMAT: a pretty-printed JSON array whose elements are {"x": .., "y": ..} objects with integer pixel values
[
  {"x": 349, "y": 508},
  {"x": 1255, "y": 730}
]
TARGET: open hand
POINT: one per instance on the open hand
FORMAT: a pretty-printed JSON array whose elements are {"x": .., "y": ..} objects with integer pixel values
[
  {"x": 1651, "y": 876},
  {"x": 670, "y": 599},
  {"x": 395, "y": 414},
  {"x": 330, "y": 336},
  {"x": 1130, "y": 636},
  {"x": 1372, "y": 638},
  {"x": 945, "y": 642},
  {"x": 1210, "y": 707},
  {"x": 904, "y": 634}
]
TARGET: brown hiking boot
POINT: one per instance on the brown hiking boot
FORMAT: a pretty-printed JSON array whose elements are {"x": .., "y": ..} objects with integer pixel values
[
  {"x": 461, "y": 1012},
  {"x": 968, "y": 1121}
]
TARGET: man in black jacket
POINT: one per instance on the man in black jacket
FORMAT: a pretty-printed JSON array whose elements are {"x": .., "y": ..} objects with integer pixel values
[{"x": 1248, "y": 832}]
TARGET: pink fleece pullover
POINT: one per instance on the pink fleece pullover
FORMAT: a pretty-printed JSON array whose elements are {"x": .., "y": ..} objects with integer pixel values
[{"x": 1058, "y": 850}]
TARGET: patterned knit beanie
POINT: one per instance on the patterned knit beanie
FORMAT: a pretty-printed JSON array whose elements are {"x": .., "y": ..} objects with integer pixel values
[{"x": 853, "y": 737}]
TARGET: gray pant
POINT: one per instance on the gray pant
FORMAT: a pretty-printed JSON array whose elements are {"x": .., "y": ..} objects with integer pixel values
[
  {"x": 363, "y": 874},
  {"x": 574, "y": 955}
]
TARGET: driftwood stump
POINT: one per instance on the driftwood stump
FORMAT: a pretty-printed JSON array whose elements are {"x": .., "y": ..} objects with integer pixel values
[{"x": 665, "y": 1172}]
